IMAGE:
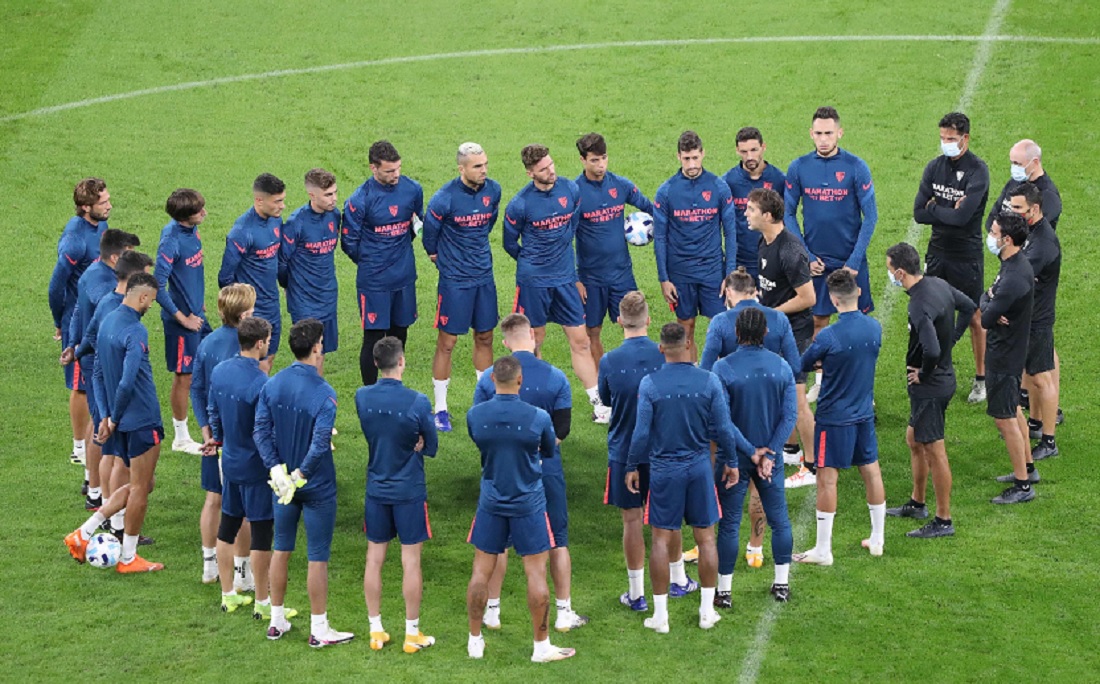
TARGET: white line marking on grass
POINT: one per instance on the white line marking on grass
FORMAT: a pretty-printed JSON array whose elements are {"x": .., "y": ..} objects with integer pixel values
[
  {"x": 983, "y": 40},
  {"x": 750, "y": 666}
]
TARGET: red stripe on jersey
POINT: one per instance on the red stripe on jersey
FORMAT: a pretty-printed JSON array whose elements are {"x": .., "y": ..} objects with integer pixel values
[
  {"x": 821, "y": 451},
  {"x": 427, "y": 521}
]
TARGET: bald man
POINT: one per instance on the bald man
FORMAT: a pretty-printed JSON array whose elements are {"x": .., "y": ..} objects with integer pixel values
[{"x": 1026, "y": 165}]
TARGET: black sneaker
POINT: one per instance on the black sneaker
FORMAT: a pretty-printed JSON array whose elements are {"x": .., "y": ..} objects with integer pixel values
[
  {"x": 84, "y": 489},
  {"x": 781, "y": 592},
  {"x": 936, "y": 528},
  {"x": 1060, "y": 418},
  {"x": 1014, "y": 495},
  {"x": 91, "y": 504},
  {"x": 908, "y": 510},
  {"x": 1042, "y": 451},
  {"x": 723, "y": 600},
  {"x": 1032, "y": 477}
]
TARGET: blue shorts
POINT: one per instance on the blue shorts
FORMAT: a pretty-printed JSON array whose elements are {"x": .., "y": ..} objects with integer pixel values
[
  {"x": 529, "y": 534},
  {"x": 824, "y": 307},
  {"x": 181, "y": 345},
  {"x": 75, "y": 378},
  {"x": 211, "y": 474},
  {"x": 320, "y": 521},
  {"x": 457, "y": 309},
  {"x": 110, "y": 447},
  {"x": 542, "y": 305},
  {"x": 615, "y": 492},
  {"x": 844, "y": 446},
  {"x": 409, "y": 522},
  {"x": 251, "y": 500},
  {"x": 697, "y": 299},
  {"x": 276, "y": 322},
  {"x": 86, "y": 373},
  {"x": 557, "y": 508},
  {"x": 130, "y": 445},
  {"x": 387, "y": 309},
  {"x": 604, "y": 300},
  {"x": 331, "y": 336},
  {"x": 682, "y": 495}
]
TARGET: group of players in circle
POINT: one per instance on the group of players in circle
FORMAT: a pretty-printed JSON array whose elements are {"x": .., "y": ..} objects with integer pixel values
[{"x": 686, "y": 443}]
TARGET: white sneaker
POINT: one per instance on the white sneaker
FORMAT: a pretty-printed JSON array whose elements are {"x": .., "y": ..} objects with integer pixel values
[
  {"x": 803, "y": 478},
  {"x": 875, "y": 549},
  {"x": 814, "y": 557},
  {"x": 977, "y": 392},
  {"x": 276, "y": 630},
  {"x": 568, "y": 619},
  {"x": 209, "y": 571},
  {"x": 659, "y": 627},
  {"x": 187, "y": 446},
  {"x": 708, "y": 620},
  {"x": 491, "y": 618},
  {"x": 329, "y": 637},
  {"x": 792, "y": 458},
  {"x": 601, "y": 414},
  {"x": 475, "y": 647},
  {"x": 552, "y": 654},
  {"x": 811, "y": 394}
]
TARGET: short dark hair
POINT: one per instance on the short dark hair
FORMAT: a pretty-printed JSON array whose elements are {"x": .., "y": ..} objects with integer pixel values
[
  {"x": 388, "y": 352},
  {"x": 904, "y": 256},
  {"x": 514, "y": 322},
  {"x": 826, "y": 113},
  {"x": 269, "y": 184},
  {"x": 689, "y": 140},
  {"x": 184, "y": 203},
  {"x": 114, "y": 242},
  {"x": 1013, "y": 226},
  {"x": 304, "y": 336},
  {"x": 382, "y": 151},
  {"x": 956, "y": 121},
  {"x": 86, "y": 193},
  {"x": 1030, "y": 192},
  {"x": 749, "y": 133},
  {"x": 141, "y": 279},
  {"x": 251, "y": 331},
  {"x": 506, "y": 369},
  {"x": 769, "y": 201},
  {"x": 591, "y": 143},
  {"x": 533, "y": 154},
  {"x": 752, "y": 327},
  {"x": 842, "y": 284},
  {"x": 320, "y": 179},
  {"x": 673, "y": 335},
  {"x": 131, "y": 262},
  {"x": 739, "y": 280}
]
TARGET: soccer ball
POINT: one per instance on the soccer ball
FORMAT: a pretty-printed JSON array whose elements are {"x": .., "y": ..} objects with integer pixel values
[
  {"x": 639, "y": 229},
  {"x": 104, "y": 550}
]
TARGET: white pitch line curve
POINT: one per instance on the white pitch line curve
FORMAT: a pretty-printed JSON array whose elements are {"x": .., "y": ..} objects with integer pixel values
[{"x": 498, "y": 52}]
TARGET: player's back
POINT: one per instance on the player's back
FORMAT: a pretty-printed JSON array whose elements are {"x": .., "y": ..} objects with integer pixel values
[
  {"x": 393, "y": 419},
  {"x": 513, "y": 438},
  {"x": 621, "y": 372},
  {"x": 757, "y": 381},
  {"x": 235, "y": 386},
  {"x": 294, "y": 398},
  {"x": 852, "y": 346},
  {"x": 681, "y": 396},
  {"x": 121, "y": 333}
]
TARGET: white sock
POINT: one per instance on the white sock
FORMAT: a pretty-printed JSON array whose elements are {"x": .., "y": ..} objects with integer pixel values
[
  {"x": 129, "y": 547},
  {"x": 706, "y": 600},
  {"x": 492, "y": 604},
  {"x": 593, "y": 396},
  {"x": 825, "y": 532},
  {"x": 265, "y": 602},
  {"x": 878, "y": 522},
  {"x": 318, "y": 623},
  {"x": 564, "y": 605},
  {"x": 440, "y": 393},
  {"x": 86, "y": 473},
  {"x": 78, "y": 445},
  {"x": 725, "y": 582},
  {"x": 782, "y": 573},
  {"x": 817, "y": 377},
  {"x": 542, "y": 647},
  {"x": 118, "y": 520},
  {"x": 636, "y": 579},
  {"x": 412, "y": 627},
  {"x": 239, "y": 569},
  {"x": 209, "y": 554},
  {"x": 231, "y": 592},
  {"x": 660, "y": 608},
  {"x": 676, "y": 572},
  {"x": 278, "y": 615},
  {"x": 376, "y": 623},
  {"x": 749, "y": 548},
  {"x": 479, "y": 373},
  {"x": 181, "y": 430},
  {"x": 95, "y": 493},
  {"x": 92, "y": 524}
]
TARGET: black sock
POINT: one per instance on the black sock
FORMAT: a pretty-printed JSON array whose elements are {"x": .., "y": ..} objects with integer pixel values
[
  {"x": 1047, "y": 440},
  {"x": 1033, "y": 424},
  {"x": 400, "y": 333},
  {"x": 1024, "y": 485},
  {"x": 979, "y": 378},
  {"x": 811, "y": 466},
  {"x": 942, "y": 521},
  {"x": 367, "y": 370},
  {"x": 1030, "y": 467},
  {"x": 915, "y": 503},
  {"x": 790, "y": 448}
]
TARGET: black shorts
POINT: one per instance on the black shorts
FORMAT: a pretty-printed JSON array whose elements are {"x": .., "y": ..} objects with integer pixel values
[
  {"x": 965, "y": 275},
  {"x": 927, "y": 416},
  {"x": 1002, "y": 394},
  {"x": 1040, "y": 351},
  {"x": 803, "y": 339}
]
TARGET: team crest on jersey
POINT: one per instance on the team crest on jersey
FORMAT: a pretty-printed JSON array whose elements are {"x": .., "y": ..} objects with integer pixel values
[
  {"x": 959, "y": 175},
  {"x": 706, "y": 195},
  {"x": 393, "y": 210},
  {"x": 331, "y": 227},
  {"x": 372, "y": 317},
  {"x": 767, "y": 185},
  {"x": 563, "y": 201},
  {"x": 839, "y": 176},
  {"x": 614, "y": 192},
  {"x": 485, "y": 200}
]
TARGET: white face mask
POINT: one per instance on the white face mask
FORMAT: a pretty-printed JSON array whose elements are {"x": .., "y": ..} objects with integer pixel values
[
  {"x": 893, "y": 279},
  {"x": 992, "y": 242},
  {"x": 950, "y": 149},
  {"x": 1019, "y": 173}
]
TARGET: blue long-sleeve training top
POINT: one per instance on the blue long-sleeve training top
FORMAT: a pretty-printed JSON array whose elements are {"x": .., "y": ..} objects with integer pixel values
[
  {"x": 85, "y": 351},
  {"x": 603, "y": 255},
  {"x": 180, "y": 271},
  {"x": 216, "y": 347},
  {"x": 838, "y": 207},
  {"x": 621, "y": 372},
  {"x": 456, "y": 229},
  {"x": 763, "y": 403},
  {"x": 377, "y": 234},
  {"x": 741, "y": 184},
  {"x": 252, "y": 256},
  {"x": 294, "y": 419},
  {"x": 97, "y": 281},
  {"x": 682, "y": 408},
  {"x": 307, "y": 263},
  {"x": 393, "y": 419},
  {"x": 123, "y": 377},
  {"x": 516, "y": 441},
  {"x": 539, "y": 226},
  {"x": 692, "y": 218},
  {"x": 848, "y": 351},
  {"x": 722, "y": 335},
  {"x": 235, "y": 386},
  {"x": 77, "y": 248}
]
